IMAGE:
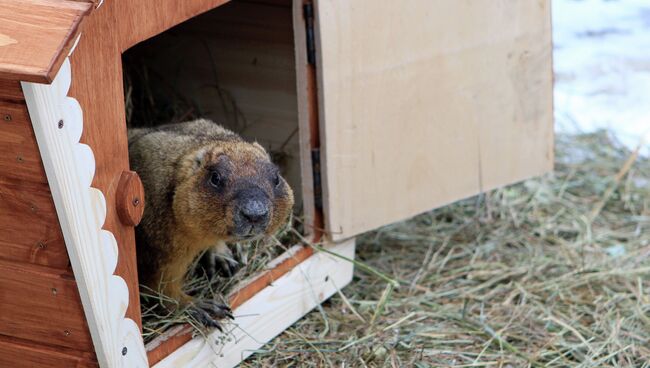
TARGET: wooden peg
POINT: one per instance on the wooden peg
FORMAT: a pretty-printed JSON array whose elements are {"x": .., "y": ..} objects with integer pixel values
[{"x": 130, "y": 198}]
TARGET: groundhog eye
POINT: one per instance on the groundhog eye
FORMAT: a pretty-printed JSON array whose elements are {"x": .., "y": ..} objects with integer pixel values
[
  {"x": 215, "y": 179},
  {"x": 276, "y": 180}
]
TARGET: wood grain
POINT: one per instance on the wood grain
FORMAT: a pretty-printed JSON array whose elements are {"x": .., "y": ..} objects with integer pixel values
[
  {"x": 19, "y": 155},
  {"x": 40, "y": 305},
  {"x": 16, "y": 353},
  {"x": 130, "y": 199},
  {"x": 28, "y": 221},
  {"x": 36, "y": 35},
  {"x": 29, "y": 225},
  {"x": 144, "y": 19},
  {"x": 10, "y": 90},
  {"x": 419, "y": 109},
  {"x": 269, "y": 312}
]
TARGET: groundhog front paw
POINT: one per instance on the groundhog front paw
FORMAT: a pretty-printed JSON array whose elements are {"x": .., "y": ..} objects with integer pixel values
[
  {"x": 216, "y": 263},
  {"x": 226, "y": 267},
  {"x": 208, "y": 313}
]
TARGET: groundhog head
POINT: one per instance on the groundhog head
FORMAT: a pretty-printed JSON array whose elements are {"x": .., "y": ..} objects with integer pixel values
[{"x": 231, "y": 191}]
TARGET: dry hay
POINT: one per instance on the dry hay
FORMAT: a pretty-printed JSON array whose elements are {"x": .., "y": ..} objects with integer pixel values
[{"x": 552, "y": 272}]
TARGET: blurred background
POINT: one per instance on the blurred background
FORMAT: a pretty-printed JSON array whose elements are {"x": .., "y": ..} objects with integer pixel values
[{"x": 602, "y": 67}]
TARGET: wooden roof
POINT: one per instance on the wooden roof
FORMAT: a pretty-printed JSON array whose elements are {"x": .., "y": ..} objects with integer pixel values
[{"x": 36, "y": 36}]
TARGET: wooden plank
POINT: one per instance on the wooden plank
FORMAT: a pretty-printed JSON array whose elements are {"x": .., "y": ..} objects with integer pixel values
[
  {"x": 36, "y": 35},
  {"x": 269, "y": 312},
  {"x": 10, "y": 90},
  {"x": 29, "y": 225},
  {"x": 282, "y": 3},
  {"x": 41, "y": 305},
  {"x": 28, "y": 220},
  {"x": 529, "y": 143},
  {"x": 309, "y": 134},
  {"x": 429, "y": 101},
  {"x": 96, "y": 65},
  {"x": 141, "y": 20},
  {"x": 17, "y": 353},
  {"x": 70, "y": 168},
  {"x": 19, "y": 156}
]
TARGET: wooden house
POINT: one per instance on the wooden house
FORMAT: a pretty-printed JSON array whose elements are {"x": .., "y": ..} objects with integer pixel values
[{"x": 386, "y": 109}]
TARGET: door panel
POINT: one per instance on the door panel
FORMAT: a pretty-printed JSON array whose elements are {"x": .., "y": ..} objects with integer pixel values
[{"x": 425, "y": 102}]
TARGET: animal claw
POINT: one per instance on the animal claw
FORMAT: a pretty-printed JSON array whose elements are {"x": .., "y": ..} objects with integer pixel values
[
  {"x": 208, "y": 313},
  {"x": 218, "y": 309},
  {"x": 227, "y": 267},
  {"x": 216, "y": 264}
]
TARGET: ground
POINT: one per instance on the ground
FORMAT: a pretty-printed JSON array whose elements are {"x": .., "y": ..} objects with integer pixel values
[{"x": 552, "y": 272}]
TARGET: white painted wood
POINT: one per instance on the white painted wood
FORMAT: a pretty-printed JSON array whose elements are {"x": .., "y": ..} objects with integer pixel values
[
  {"x": 425, "y": 102},
  {"x": 269, "y": 312},
  {"x": 70, "y": 168}
]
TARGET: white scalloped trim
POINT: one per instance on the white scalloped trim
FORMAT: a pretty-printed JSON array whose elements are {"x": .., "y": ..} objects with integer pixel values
[{"x": 70, "y": 168}]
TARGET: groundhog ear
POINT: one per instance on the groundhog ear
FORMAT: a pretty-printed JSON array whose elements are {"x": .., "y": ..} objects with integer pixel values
[{"x": 259, "y": 147}]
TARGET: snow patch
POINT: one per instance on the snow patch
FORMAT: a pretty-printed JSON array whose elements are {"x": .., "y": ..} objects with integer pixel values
[{"x": 602, "y": 67}]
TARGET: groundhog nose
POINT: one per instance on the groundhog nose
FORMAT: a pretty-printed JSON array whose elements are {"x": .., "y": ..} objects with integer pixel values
[{"x": 255, "y": 211}]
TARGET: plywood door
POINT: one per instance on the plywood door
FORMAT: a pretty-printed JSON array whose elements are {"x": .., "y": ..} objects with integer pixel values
[{"x": 425, "y": 102}]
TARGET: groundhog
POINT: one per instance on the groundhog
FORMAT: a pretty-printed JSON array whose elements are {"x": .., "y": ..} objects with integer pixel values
[{"x": 204, "y": 187}]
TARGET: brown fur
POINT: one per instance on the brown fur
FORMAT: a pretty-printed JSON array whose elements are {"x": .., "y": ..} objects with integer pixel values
[{"x": 184, "y": 214}]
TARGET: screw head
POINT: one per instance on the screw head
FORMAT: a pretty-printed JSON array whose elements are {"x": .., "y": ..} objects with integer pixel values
[
  {"x": 60, "y": 124},
  {"x": 66, "y": 333},
  {"x": 136, "y": 201},
  {"x": 7, "y": 117},
  {"x": 124, "y": 351}
]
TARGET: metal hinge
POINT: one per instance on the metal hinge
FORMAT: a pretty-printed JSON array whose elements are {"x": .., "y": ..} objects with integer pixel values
[
  {"x": 308, "y": 13},
  {"x": 318, "y": 189}
]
